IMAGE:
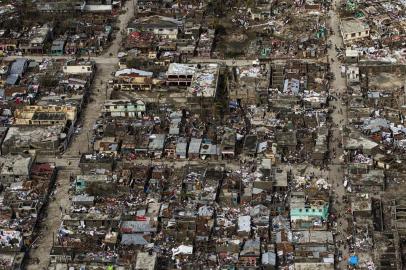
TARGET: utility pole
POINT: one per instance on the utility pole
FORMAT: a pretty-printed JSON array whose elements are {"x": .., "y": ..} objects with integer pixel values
[
  {"x": 404, "y": 93},
  {"x": 88, "y": 141}
]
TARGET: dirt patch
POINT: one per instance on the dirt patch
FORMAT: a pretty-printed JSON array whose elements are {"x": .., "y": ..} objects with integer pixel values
[{"x": 386, "y": 81}]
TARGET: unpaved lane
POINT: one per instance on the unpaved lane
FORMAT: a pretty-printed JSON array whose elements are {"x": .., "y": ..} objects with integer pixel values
[
  {"x": 336, "y": 172},
  {"x": 106, "y": 64}
]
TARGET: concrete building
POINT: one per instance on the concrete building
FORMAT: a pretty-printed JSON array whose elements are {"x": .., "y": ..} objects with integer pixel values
[
  {"x": 123, "y": 108},
  {"x": 134, "y": 79},
  {"x": 36, "y": 40},
  {"x": 45, "y": 115},
  {"x": 305, "y": 214},
  {"x": 51, "y": 139},
  {"x": 92, "y": 162},
  {"x": 161, "y": 26},
  {"x": 227, "y": 147},
  {"x": 180, "y": 74},
  {"x": 79, "y": 67},
  {"x": 15, "y": 168},
  {"x": 58, "y": 47},
  {"x": 146, "y": 261},
  {"x": 83, "y": 181},
  {"x": 352, "y": 30}
]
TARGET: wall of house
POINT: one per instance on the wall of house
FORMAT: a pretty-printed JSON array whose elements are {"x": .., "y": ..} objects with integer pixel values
[
  {"x": 78, "y": 69},
  {"x": 355, "y": 35},
  {"x": 168, "y": 33},
  {"x": 91, "y": 166},
  {"x": 24, "y": 115}
]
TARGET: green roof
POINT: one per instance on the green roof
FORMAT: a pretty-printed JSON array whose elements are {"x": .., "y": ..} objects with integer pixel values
[{"x": 321, "y": 212}]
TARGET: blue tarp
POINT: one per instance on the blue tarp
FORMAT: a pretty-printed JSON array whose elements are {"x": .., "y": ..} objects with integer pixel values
[
  {"x": 233, "y": 104},
  {"x": 353, "y": 260}
]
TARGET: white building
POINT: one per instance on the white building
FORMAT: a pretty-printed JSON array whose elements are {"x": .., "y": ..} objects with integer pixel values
[
  {"x": 353, "y": 74},
  {"x": 79, "y": 67},
  {"x": 161, "y": 26}
]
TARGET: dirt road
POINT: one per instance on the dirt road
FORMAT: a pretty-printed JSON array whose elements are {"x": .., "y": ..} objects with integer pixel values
[
  {"x": 124, "y": 19},
  {"x": 339, "y": 119},
  {"x": 106, "y": 64}
]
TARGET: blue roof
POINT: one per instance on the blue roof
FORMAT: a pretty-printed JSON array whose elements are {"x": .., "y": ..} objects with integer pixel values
[
  {"x": 18, "y": 66},
  {"x": 12, "y": 79}
]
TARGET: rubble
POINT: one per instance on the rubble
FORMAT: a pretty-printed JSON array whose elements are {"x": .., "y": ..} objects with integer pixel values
[{"x": 223, "y": 135}]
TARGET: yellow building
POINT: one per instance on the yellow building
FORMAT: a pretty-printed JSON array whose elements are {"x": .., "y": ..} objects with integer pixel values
[
  {"x": 134, "y": 79},
  {"x": 45, "y": 115}
]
